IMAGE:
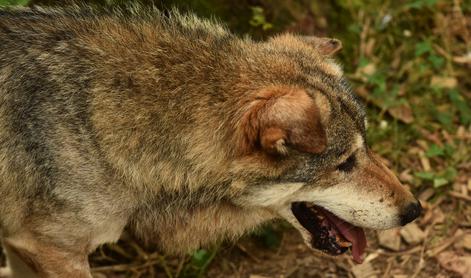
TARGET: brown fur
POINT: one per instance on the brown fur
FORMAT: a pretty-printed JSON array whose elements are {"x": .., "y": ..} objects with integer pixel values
[{"x": 169, "y": 126}]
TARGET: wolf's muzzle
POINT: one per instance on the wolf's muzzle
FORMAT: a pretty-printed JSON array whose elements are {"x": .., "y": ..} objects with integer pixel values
[{"x": 411, "y": 212}]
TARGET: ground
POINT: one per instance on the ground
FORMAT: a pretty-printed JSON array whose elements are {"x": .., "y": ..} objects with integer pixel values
[{"x": 410, "y": 61}]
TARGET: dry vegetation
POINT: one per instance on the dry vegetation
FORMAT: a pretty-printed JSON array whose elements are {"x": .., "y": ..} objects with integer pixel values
[{"x": 411, "y": 63}]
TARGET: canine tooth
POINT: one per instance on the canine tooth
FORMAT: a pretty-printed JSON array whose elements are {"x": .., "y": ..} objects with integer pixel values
[
  {"x": 344, "y": 244},
  {"x": 341, "y": 242},
  {"x": 309, "y": 205}
]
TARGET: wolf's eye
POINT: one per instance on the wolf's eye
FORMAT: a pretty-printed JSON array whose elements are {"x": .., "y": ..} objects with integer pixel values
[{"x": 348, "y": 164}]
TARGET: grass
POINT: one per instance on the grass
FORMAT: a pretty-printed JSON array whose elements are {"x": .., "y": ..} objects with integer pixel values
[{"x": 409, "y": 60}]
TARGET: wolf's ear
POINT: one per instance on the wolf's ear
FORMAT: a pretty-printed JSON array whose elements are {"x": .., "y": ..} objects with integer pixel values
[
  {"x": 280, "y": 117},
  {"x": 325, "y": 46}
]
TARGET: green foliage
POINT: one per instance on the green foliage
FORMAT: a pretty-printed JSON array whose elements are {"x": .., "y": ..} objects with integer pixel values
[
  {"x": 462, "y": 105},
  {"x": 200, "y": 258},
  {"x": 434, "y": 151},
  {"x": 419, "y": 4},
  {"x": 13, "y": 2},
  {"x": 198, "y": 263},
  {"x": 438, "y": 179},
  {"x": 422, "y": 48},
  {"x": 258, "y": 18},
  {"x": 268, "y": 237}
]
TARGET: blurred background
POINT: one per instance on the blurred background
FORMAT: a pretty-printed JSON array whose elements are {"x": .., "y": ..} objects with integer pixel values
[{"x": 410, "y": 61}]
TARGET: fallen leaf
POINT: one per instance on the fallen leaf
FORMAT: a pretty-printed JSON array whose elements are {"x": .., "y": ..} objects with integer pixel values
[
  {"x": 426, "y": 194},
  {"x": 402, "y": 112},
  {"x": 390, "y": 239},
  {"x": 451, "y": 261},
  {"x": 368, "y": 70},
  {"x": 364, "y": 270},
  {"x": 425, "y": 162},
  {"x": 465, "y": 242},
  {"x": 465, "y": 59},
  {"x": 438, "y": 216},
  {"x": 444, "y": 82},
  {"x": 412, "y": 234}
]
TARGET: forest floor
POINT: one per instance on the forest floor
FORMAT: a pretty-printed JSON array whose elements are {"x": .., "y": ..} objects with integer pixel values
[{"x": 410, "y": 61}]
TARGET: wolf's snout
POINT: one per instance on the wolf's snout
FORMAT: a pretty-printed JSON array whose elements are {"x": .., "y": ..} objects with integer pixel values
[{"x": 411, "y": 212}]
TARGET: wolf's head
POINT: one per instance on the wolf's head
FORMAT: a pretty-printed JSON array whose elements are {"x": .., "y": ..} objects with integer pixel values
[{"x": 303, "y": 154}]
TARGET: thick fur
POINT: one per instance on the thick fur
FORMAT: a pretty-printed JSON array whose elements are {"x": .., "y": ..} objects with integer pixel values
[{"x": 172, "y": 127}]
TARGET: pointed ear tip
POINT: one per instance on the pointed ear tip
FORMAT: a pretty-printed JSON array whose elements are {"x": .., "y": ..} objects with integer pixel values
[{"x": 335, "y": 43}]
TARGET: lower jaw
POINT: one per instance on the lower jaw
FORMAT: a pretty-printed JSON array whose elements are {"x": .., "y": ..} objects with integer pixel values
[{"x": 324, "y": 234}]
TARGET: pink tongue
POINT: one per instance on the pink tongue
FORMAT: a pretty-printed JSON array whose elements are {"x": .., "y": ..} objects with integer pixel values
[{"x": 355, "y": 235}]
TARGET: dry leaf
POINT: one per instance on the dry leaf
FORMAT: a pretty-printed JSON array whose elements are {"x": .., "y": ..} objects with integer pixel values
[
  {"x": 465, "y": 242},
  {"x": 402, "y": 112},
  {"x": 368, "y": 70},
  {"x": 424, "y": 161},
  {"x": 412, "y": 234},
  {"x": 465, "y": 59},
  {"x": 426, "y": 194},
  {"x": 444, "y": 82},
  {"x": 451, "y": 261},
  {"x": 390, "y": 239},
  {"x": 405, "y": 176},
  {"x": 364, "y": 270}
]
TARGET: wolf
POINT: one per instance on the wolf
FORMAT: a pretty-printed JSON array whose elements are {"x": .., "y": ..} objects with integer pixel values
[{"x": 179, "y": 131}]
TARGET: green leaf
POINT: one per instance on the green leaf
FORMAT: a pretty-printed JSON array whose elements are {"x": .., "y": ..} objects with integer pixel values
[
  {"x": 445, "y": 118},
  {"x": 363, "y": 62},
  {"x": 419, "y": 4},
  {"x": 269, "y": 237},
  {"x": 450, "y": 174},
  {"x": 462, "y": 105},
  {"x": 200, "y": 257},
  {"x": 436, "y": 61},
  {"x": 425, "y": 175},
  {"x": 258, "y": 18},
  {"x": 449, "y": 150},
  {"x": 13, "y": 2},
  {"x": 434, "y": 151},
  {"x": 438, "y": 182},
  {"x": 422, "y": 48},
  {"x": 355, "y": 28}
]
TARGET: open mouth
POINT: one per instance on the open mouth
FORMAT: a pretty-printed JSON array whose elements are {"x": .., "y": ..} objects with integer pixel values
[{"x": 329, "y": 233}]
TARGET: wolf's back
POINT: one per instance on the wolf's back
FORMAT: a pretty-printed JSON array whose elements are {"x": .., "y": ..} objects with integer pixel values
[{"x": 82, "y": 90}]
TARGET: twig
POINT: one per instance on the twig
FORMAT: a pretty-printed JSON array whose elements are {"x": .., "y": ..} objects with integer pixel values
[
  {"x": 445, "y": 244},
  {"x": 422, "y": 252},
  {"x": 208, "y": 261},
  {"x": 459, "y": 196},
  {"x": 180, "y": 267},
  {"x": 250, "y": 255},
  {"x": 388, "y": 268},
  {"x": 400, "y": 253},
  {"x": 124, "y": 267},
  {"x": 164, "y": 265}
]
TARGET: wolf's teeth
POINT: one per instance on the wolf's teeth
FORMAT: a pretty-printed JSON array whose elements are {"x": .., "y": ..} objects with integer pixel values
[
  {"x": 345, "y": 244},
  {"x": 341, "y": 242},
  {"x": 309, "y": 205}
]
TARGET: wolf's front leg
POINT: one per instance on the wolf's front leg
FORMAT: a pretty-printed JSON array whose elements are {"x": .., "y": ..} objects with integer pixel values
[
  {"x": 5, "y": 272},
  {"x": 27, "y": 257}
]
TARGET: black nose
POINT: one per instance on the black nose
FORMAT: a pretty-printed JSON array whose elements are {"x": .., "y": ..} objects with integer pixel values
[{"x": 411, "y": 212}]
